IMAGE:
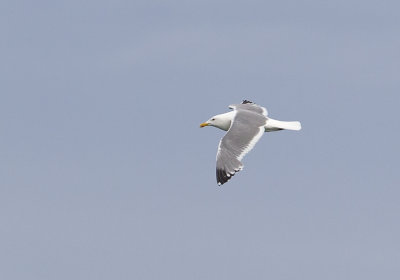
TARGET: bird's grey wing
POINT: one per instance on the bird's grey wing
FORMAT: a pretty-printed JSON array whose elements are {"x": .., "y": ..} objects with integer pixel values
[
  {"x": 246, "y": 129},
  {"x": 250, "y": 106}
]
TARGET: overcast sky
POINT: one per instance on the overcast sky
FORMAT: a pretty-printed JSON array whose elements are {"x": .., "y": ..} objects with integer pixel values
[{"x": 105, "y": 173}]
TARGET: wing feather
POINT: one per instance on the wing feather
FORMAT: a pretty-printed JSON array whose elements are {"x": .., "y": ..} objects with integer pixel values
[{"x": 246, "y": 129}]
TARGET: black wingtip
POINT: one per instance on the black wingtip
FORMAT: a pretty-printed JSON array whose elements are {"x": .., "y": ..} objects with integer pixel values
[
  {"x": 245, "y": 101},
  {"x": 222, "y": 176}
]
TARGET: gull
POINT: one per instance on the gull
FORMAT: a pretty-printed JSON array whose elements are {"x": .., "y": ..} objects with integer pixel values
[{"x": 245, "y": 125}]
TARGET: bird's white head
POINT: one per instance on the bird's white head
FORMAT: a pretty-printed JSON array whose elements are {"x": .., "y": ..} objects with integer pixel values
[{"x": 222, "y": 121}]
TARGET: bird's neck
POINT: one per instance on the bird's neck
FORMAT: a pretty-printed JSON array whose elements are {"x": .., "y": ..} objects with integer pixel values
[{"x": 225, "y": 120}]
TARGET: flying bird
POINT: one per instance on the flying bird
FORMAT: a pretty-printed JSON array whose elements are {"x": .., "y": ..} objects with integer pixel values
[{"x": 244, "y": 125}]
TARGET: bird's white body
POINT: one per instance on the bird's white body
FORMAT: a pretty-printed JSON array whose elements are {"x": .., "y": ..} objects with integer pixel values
[{"x": 223, "y": 121}]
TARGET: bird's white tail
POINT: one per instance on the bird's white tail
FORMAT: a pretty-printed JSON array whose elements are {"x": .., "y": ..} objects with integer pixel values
[{"x": 274, "y": 125}]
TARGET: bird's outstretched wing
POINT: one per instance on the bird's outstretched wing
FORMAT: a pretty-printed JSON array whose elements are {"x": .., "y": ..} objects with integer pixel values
[
  {"x": 246, "y": 129},
  {"x": 250, "y": 106}
]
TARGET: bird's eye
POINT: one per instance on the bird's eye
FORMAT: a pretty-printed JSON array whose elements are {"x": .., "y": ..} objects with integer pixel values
[{"x": 213, "y": 119}]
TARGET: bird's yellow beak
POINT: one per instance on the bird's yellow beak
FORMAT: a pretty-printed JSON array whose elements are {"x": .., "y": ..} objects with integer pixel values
[{"x": 203, "y": 124}]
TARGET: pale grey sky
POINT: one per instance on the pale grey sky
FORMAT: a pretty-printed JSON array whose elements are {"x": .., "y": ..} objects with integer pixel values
[{"x": 105, "y": 173}]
